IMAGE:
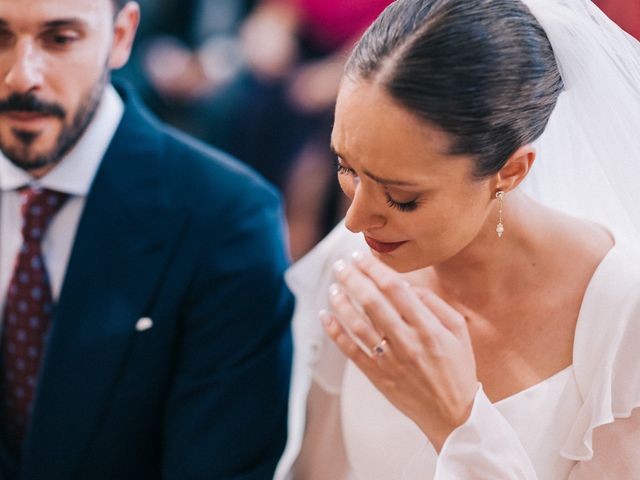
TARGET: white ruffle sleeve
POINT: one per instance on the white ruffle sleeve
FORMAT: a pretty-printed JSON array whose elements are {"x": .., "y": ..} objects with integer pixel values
[
  {"x": 484, "y": 447},
  {"x": 607, "y": 350},
  {"x": 605, "y": 438}
]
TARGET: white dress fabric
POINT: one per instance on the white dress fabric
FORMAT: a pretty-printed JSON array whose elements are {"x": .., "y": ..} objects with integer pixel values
[
  {"x": 383, "y": 444},
  {"x": 545, "y": 432}
]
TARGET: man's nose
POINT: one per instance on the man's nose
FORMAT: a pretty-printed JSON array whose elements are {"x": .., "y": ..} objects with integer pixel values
[
  {"x": 25, "y": 72},
  {"x": 362, "y": 214}
]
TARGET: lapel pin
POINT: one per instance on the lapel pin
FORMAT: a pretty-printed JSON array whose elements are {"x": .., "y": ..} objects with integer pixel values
[{"x": 143, "y": 324}]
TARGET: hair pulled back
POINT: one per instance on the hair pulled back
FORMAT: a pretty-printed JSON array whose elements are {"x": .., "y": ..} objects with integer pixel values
[{"x": 481, "y": 70}]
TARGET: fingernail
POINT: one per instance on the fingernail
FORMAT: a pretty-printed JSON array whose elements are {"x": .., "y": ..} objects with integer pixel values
[
  {"x": 357, "y": 256},
  {"x": 325, "y": 318},
  {"x": 334, "y": 289},
  {"x": 339, "y": 266}
]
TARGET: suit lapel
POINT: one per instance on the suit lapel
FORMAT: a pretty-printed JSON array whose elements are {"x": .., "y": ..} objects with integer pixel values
[{"x": 121, "y": 246}]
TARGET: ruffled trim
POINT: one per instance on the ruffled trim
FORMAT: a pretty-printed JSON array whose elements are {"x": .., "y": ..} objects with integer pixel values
[
  {"x": 606, "y": 350},
  {"x": 316, "y": 266},
  {"x": 316, "y": 357},
  {"x": 484, "y": 447},
  {"x": 309, "y": 279}
]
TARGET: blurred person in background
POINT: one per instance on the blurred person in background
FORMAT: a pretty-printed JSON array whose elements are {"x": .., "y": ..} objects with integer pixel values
[
  {"x": 186, "y": 52},
  {"x": 296, "y": 50},
  {"x": 145, "y": 320}
]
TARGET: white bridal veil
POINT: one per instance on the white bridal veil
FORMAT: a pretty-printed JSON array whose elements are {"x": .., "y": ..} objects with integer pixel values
[{"x": 589, "y": 156}]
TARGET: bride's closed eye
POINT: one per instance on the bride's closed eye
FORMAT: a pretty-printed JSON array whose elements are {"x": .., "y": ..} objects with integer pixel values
[
  {"x": 391, "y": 202},
  {"x": 409, "y": 206},
  {"x": 342, "y": 170}
]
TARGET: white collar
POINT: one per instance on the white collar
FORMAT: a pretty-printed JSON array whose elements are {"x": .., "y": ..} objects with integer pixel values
[{"x": 74, "y": 174}]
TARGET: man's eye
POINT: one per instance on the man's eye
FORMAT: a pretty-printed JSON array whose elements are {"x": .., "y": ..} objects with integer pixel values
[
  {"x": 6, "y": 38},
  {"x": 60, "y": 39}
]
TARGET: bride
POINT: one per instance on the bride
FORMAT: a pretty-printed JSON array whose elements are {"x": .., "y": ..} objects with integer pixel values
[{"x": 481, "y": 302}]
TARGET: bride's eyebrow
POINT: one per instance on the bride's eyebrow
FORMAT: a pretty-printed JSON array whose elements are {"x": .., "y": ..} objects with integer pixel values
[
  {"x": 383, "y": 181},
  {"x": 388, "y": 182}
]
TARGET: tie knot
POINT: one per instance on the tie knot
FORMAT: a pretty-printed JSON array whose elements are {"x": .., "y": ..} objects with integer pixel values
[{"x": 39, "y": 205}]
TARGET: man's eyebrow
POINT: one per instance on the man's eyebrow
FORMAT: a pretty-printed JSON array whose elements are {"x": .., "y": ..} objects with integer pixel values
[
  {"x": 65, "y": 23},
  {"x": 383, "y": 181},
  {"x": 58, "y": 23}
]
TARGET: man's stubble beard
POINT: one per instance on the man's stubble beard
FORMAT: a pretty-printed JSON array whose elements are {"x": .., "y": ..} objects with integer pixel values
[{"x": 23, "y": 158}]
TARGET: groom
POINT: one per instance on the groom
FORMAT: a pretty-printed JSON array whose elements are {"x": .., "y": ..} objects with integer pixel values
[{"x": 145, "y": 322}]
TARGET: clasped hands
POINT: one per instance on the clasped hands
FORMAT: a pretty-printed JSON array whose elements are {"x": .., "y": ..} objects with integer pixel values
[{"x": 423, "y": 361}]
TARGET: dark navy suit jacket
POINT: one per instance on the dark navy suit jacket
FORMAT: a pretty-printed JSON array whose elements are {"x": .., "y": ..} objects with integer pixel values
[{"x": 180, "y": 233}]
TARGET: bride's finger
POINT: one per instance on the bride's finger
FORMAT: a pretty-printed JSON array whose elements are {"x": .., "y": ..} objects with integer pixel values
[
  {"x": 450, "y": 318},
  {"x": 377, "y": 309},
  {"x": 356, "y": 325},
  {"x": 401, "y": 296},
  {"x": 347, "y": 345}
]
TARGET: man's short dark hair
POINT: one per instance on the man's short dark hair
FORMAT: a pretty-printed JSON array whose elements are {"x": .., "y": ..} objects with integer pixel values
[{"x": 118, "y": 4}]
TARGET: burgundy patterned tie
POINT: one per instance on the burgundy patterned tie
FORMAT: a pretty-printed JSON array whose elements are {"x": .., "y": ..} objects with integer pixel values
[{"x": 26, "y": 316}]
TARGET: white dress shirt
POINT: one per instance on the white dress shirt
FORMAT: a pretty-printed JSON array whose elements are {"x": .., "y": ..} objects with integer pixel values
[{"x": 73, "y": 175}]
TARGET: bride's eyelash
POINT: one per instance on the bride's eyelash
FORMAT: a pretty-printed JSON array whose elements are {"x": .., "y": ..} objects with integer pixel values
[
  {"x": 341, "y": 169},
  {"x": 402, "y": 206}
]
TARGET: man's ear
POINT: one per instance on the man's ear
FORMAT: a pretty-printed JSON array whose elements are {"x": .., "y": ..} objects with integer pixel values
[
  {"x": 124, "y": 33},
  {"x": 516, "y": 169}
]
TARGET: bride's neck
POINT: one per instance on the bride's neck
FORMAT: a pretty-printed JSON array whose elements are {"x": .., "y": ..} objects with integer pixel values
[{"x": 490, "y": 265}]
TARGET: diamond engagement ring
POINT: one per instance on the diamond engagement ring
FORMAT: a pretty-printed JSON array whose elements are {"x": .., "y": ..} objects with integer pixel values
[{"x": 379, "y": 348}]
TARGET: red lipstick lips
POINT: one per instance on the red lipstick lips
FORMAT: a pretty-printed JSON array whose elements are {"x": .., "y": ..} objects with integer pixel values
[{"x": 382, "y": 247}]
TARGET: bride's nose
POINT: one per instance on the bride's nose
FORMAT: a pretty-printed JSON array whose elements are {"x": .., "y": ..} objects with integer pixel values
[{"x": 363, "y": 214}]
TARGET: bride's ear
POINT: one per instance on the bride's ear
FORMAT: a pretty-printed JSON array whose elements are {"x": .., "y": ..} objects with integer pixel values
[{"x": 516, "y": 169}]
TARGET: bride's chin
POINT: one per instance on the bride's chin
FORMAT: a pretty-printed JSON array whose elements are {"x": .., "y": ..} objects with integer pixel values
[{"x": 400, "y": 263}]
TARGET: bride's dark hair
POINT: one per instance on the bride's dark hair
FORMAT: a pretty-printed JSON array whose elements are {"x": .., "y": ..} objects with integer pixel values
[{"x": 481, "y": 70}]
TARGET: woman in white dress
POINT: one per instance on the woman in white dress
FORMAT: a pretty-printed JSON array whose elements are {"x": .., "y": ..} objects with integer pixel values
[{"x": 482, "y": 334}]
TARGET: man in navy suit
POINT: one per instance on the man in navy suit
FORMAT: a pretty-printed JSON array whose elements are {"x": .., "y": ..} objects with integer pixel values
[{"x": 145, "y": 321}]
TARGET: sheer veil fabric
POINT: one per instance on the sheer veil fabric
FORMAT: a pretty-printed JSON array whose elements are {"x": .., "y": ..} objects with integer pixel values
[{"x": 588, "y": 162}]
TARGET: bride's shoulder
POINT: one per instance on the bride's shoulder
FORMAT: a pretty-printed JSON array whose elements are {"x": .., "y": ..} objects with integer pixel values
[
  {"x": 618, "y": 275},
  {"x": 605, "y": 255},
  {"x": 612, "y": 298}
]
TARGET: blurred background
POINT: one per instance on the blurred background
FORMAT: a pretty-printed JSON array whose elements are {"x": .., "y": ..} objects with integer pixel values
[{"x": 258, "y": 78}]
